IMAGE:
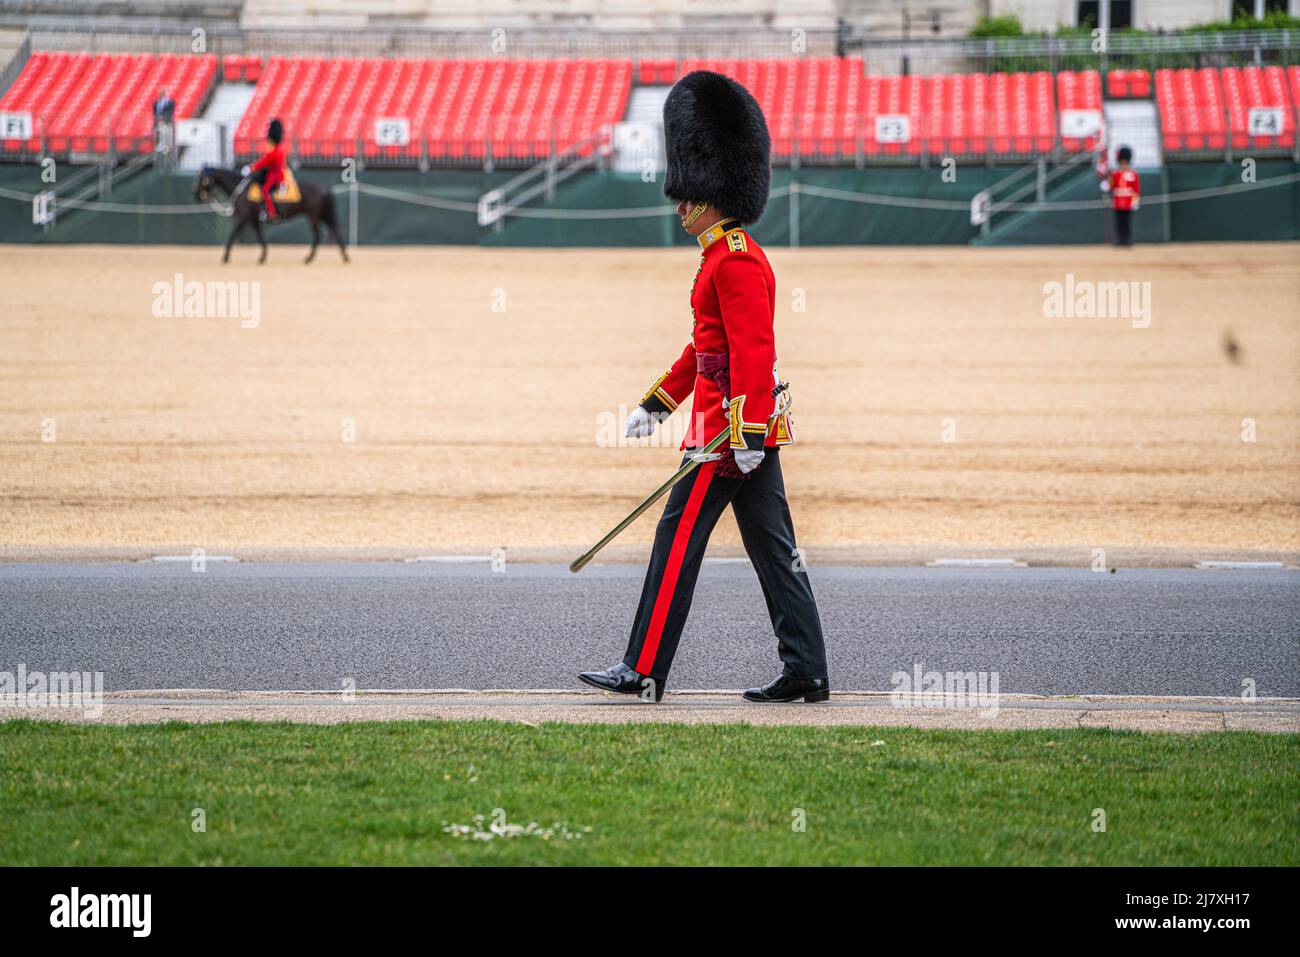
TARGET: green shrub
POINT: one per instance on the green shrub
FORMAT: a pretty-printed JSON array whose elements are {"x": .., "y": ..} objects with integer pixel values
[{"x": 1007, "y": 25}]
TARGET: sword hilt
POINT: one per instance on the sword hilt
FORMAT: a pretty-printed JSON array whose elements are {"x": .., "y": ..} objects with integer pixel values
[{"x": 783, "y": 398}]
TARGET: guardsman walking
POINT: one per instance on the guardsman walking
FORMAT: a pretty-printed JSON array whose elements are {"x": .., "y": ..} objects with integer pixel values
[{"x": 719, "y": 171}]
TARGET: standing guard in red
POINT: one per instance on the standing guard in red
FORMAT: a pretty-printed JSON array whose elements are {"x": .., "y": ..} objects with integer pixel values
[{"x": 1125, "y": 188}]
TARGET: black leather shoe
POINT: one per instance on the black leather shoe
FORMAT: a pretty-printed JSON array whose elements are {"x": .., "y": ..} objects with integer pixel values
[
  {"x": 792, "y": 689},
  {"x": 623, "y": 680}
]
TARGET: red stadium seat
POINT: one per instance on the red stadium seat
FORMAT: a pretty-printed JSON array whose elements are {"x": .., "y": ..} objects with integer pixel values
[
  {"x": 1257, "y": 88},
  {"x": 656, "y": 72},
  {"x": 456, "y": 109},
  {"x": 522, "y": 110},
  {"x": 1209, "y": 109},
  {"x": 814, "y": 105},
  {"x": 958, "y": 115},
  {"x": 1079, "y": 91},
  {"x": 1135, "y": 84},
  {"x": 97, "y": 102}
]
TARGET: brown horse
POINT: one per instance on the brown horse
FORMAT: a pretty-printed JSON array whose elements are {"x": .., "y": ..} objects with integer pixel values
[{"x": 215, "y": 183}]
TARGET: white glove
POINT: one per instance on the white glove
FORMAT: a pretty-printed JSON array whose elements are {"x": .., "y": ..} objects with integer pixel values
[
  {"x": 245, "y": 171},
  {"x": 1104, "y": 186},
  {"x": 641, "y": 423},
  {"x": 748, "y": 459},
  {"x": 1137, "y": 201}
]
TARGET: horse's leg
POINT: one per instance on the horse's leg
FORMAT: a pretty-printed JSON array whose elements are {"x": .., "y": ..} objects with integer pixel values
[
  {"x": 230, "y": 240},
  {"x": 315, "y": 237},
  {"x": 257, "y": 230},
  {"x": 332, "y": 224}
]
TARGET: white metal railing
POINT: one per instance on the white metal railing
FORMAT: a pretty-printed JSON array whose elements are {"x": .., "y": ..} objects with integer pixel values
[
  {"x": 95, "y": 181},
  {"x": 496, "y": 204},
  {"x": 1011, "y": 193}
]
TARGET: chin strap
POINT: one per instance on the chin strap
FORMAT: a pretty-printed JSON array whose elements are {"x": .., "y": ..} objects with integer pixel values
[{"x": 695, "y": 214}]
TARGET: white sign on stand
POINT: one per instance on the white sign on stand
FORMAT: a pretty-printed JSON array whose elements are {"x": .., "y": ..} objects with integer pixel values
[
  {"x": 192, "y": 132},
  {"x": 43, "y": 208},
  {"x": 893, "y": 128},
  {"x": 1266, "y": 121},
  {"x": 1080, "y": 124},
  {"x": 15, "y": 126},
  {"x": 637, "y": 148},
  {"x": 392, "y": 131}
]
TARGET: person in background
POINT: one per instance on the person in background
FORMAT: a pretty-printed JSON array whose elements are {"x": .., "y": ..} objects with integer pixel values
[
  {"x": 1125, "y": 188},
  {"x": 269, "y": 170},
  {"x": 164, "y": 114}
]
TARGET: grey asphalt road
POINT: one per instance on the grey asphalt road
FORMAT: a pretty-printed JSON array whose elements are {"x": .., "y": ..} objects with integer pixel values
[{"x": 394, "y": 626}]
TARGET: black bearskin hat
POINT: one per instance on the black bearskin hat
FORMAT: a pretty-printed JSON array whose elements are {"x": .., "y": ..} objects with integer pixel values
[
  {"x": 1124, "y": 154},
  {"x": 719, "y": 151},
  {"x": 275, "y": 132}
]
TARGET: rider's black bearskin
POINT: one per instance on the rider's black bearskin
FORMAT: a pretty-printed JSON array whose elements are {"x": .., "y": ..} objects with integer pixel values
[
  {"x": 275, "y": 132},
  {"x": 718, "y": 147}
]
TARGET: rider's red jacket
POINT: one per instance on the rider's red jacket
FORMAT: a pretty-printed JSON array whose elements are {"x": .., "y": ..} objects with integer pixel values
[
  {"x": 733, "y": 303},
  {"x": 273, "y": 162}
]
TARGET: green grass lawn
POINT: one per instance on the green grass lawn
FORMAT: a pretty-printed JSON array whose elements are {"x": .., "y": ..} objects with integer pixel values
[{"x": 382, "y": 793}]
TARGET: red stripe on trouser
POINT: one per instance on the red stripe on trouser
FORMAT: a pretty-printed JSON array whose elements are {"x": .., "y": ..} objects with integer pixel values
[{"x": 681, "y": 538}]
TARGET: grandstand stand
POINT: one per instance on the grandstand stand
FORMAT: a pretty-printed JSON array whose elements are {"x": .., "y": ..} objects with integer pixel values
[
  {"x": 237, "y": 68},
  {"x": 102, "y": 103},
  {"x": 455, "y": 110},
  {"x": 827, "y": 107},
  {"x": 1212, "y": 110},
  {"x": 1191, "y": 109},
  {"x": 812, "y": 104},
  {"x": 517, "y": 111},
  {"x": 1125, "y": 84},
  {"x": 1247, "y": 88},
  {"x": 818, "y": 108},
  {"x": 656, "y": 72},
  {"x": 1079, "y": 91}
]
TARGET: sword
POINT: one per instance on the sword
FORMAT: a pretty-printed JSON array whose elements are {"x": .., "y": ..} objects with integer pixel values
[
  {"x": 578, "y": 564},
  {"x": 694, "y": 462}
]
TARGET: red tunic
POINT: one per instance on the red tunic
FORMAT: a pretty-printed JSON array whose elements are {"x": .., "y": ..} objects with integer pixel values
[
  {"x": 733, "y": 302},
  {"x": 1125, "y": 188},
  {"x": 273, "y": 162}
]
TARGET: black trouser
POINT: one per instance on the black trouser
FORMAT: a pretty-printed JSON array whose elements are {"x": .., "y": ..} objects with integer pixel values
[
  {"x": 1124, "y": 227},
  {"x": 694, "y": 506}
]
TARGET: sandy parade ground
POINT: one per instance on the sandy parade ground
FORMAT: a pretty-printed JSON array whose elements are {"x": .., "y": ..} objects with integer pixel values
[{"x": 454, "y": 399}]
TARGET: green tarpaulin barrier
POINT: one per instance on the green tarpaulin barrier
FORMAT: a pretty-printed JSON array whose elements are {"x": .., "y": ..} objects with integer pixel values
[{"x": 811, "y": 206}]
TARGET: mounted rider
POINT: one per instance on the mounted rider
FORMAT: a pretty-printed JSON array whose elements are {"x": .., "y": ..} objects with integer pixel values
[{"x": 269, "y": 170}]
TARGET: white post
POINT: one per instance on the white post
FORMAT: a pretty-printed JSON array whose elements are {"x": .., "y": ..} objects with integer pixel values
[
  {"x": 353, "y": 216},
  {"x": 1103, "y": 23},
  {"x": 794, "y": 215}
]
